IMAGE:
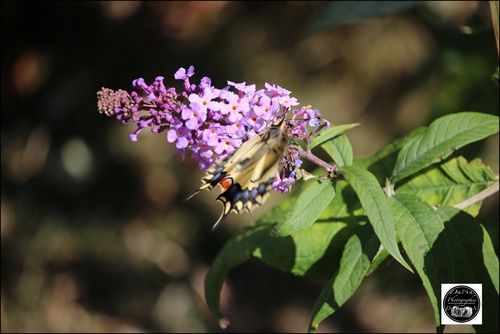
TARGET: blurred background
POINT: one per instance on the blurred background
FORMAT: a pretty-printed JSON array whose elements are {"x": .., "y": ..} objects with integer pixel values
[{"x": 94, "y": 234}]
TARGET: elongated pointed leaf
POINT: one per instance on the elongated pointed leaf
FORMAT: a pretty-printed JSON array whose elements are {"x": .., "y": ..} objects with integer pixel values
[
  {"x": 376, "y": 206},
  {"x": 387, "y": 152},
  {"x": 340, "y": 12},
  {"x": 339, "y": 149},
  {"x": 307, "y": 208},
  {"x": 384, "y": 160},
  {"x": 245, "y": 242},
  {"x": 328, "y": 134},
  {"x": 441, "y": 139},
  {"x": 356, "y": 259},
  {"x": 450, "y": 183},
  {"x": 314, "y": 252},
  {"x": 494, "y": 9},
  {"x": 443, "y": 247},
  {"x": 419, "y": 226},
  {"x": 474, "y": 261},
  {"x": 379, "y": 259}
]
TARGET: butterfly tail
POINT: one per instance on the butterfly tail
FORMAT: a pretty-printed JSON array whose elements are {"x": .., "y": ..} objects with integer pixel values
[
  {"x": 203, "y": 187},
  {"x": 226, "y": 208}
]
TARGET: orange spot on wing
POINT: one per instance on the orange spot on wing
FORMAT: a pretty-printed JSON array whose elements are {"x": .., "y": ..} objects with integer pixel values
[{"x": 226, "y": 182}]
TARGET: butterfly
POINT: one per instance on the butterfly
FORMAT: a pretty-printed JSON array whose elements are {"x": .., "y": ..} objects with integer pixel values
[{"x": 246, "y": 175}]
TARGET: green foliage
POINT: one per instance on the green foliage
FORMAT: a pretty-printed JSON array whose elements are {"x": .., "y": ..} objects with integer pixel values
[
  {"x": 377, "y": 208},
  {"x": 450, "y": 182},
  {"x": 342, "y": 12},
  {"x": 335, "y": 143},
  {"x": 359, "y": 253},
  {"x": 441, "y": 139},
  {"x": 308, "y": 207},
  {"x": 341, "y": 230},
  {"x": 416, "y": 200}
]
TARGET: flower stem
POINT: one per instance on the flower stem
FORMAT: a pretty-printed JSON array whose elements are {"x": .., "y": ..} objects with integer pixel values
[{"x": 331, "y": 170}]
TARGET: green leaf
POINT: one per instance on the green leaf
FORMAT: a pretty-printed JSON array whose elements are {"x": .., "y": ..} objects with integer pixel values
[
  {"x": 385, "y": 159},
  {"x": 341, "y": 12},
  {"x": 474, "y": 261},
  {"x": 339, "y": 149},
  {"x": 447, "y": 245},
  {"x": 419, "y": 226},
  {"x": 314, "y": 253},
  {"x": 379, "y": 259},
  {"x": 354, "y": 264},
  {"x": 328, "y": 134},
  {"x": 245, "y": 243},
  {"x": 494, "y": 22},
  {"x": 318, "y": 248},
  {"x": 390, "y": 149},
  {"x": 307, "y": 208},
  {"x": 344, "y": 206},
  {"x": 376, "y": 206},
  {"x": 445, "y": 135},
  {"x": 450, "y": 183}
]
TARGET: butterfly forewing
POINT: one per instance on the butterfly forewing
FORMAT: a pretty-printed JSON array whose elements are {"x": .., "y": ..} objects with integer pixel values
[
  {"x": 246, "y": 175},
  {"x": 257, "y": 178}
]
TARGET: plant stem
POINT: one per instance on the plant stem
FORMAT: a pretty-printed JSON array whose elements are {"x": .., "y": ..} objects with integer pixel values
[
  {"x": 478, "y": 197},
  {"x": 311, "y": 157}
]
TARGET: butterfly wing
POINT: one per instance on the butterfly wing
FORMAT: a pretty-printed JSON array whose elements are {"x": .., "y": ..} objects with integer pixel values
[
  {"x": 230, "y": 165},
  {"x": 246, "y": 176},
  {"x": 250, "y": 188}
]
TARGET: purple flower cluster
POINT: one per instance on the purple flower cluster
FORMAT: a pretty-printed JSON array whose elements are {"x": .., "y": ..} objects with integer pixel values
[{"x": 209, "y": 122}]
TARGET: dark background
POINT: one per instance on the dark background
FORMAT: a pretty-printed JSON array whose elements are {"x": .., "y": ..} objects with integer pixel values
[{"x": 94, "y": 235}]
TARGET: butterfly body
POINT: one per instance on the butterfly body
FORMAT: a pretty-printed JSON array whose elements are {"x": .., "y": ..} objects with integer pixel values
[{"x": 246, "y": 175}]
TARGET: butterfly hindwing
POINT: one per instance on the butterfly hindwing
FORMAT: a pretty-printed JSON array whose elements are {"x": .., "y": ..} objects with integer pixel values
[{"x": 257, "y": 179}]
